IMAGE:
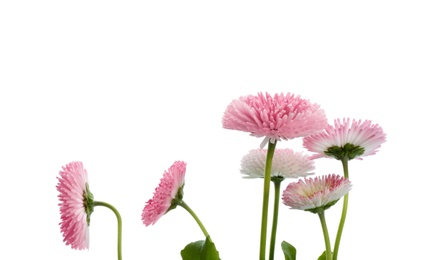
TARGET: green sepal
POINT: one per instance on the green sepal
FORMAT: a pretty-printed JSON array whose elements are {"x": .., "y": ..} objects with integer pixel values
[
  {"x": 88, "y": 203},
  {"x": 289, "y": 251},
  {"x": 277, "y": 179},
  {"x": 349, "y": 151},
  {"x": 200, "y": 250},
  {"x": 323, "y": 256},
  {"x": 177, "y": 199},
  {"x": 322, "y": 208}
]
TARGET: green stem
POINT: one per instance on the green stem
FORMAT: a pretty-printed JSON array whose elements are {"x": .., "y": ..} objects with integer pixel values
[
  {"x": 326, "y": 235},
  {"x": 118, "y": 218},
  {"x": 344, "y": 161},
  {"x": 266, "y": 190},
  {"x": 193, "y": 214},
  {"x": 276, "y": 182}
]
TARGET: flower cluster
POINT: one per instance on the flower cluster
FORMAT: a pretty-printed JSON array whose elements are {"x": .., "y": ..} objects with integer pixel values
[{"x": 275, "y": 118}]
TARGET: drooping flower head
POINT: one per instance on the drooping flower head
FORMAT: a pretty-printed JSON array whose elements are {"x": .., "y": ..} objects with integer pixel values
[
  {"x": 316, "y": 194},
  {"x": 76, "y": 205},
  {"x": 286, "y": 164},
  {"x": 167, "y": 195},
  {"x": 346, "y": 138},
  {"x": 274, "y": 117}
]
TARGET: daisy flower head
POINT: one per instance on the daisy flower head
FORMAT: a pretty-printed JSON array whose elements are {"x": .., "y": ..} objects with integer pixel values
[
  {"x": 346, "y": 138},
  {"x": 76, "y": 205},
  {"x": 316, "y": 194},
  {"x": 278, "y": 117},
  {"x": 167, "y": 195},
  {"x": 286, "y": 164}
]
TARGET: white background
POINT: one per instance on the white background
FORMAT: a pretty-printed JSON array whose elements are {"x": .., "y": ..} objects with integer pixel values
[{"x": 128, "y": 87}]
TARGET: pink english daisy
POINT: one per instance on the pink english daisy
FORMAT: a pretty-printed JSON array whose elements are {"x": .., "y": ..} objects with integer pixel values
[
  {"x": 76, "y": 205},
  {"x": 167, "y": 195},
  {"x": 274, "y": 117},
  {"x": 286, "y": 164},
  {"x": 316, "y": 194},
  {"x": 346, "y": 138}
]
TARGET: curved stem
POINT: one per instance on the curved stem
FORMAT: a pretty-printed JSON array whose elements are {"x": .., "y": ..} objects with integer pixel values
[
  {"x": 275, "y": 216},
  {"x": 326, "y": 235},
  {"x": 344, "y": 161},
  {"x": 118, "y": 218},
  {"x": 193, "y": 214},
  {"x": 266, "y": 190}
]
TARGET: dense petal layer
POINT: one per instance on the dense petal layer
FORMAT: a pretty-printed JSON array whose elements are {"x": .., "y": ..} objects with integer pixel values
[
  {"x": 72, "y": 188},
  {"x": 359, "y": 133},
  {"x": 286, "y": 163},
  {"x": 274, "y": 117},
  {"x": 169, "y": 186},
  {"x": 317, "y": 192}
]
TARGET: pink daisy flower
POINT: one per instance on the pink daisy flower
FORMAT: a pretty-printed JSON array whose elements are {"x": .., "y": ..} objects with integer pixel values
[
  {"x": 316, "y": 194},
  {"x": 274, "y": 117},
  {"x": 286, "y": 164},
  {"x": 353, "y": 139},
  {"x": 76, "y": 205},
  {"x": 167, "y": 195}
]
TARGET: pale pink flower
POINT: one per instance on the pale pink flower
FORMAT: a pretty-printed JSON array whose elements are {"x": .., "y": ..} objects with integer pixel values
[
  {"x": 167, "y": 194},
  {"x": 286, "y": 163},
  {"x": 354, "y": 139},
  {"x": 278, "y": 117},
  {"x": 316, "y": 194},
  {"x": 74, "y": 200}
]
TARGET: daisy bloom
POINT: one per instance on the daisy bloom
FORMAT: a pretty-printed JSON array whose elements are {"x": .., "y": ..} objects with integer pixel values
[
  {"x": 346, "y": 138},
  {"x": 286, "y": 164},
  {"x": 316, "y": 194},
  {"x": 76, "y": 205},
  {"x": 274, "y": 117},
  {"x": 167, "y": 195}
]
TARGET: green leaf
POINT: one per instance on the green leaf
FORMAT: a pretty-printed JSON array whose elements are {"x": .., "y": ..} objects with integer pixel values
[
  {"x": 192, "y": 250},
  {"x": 323, "y": 256},
  {"x": 289, "y": 251},
  {"x": 200, "y": 250}
]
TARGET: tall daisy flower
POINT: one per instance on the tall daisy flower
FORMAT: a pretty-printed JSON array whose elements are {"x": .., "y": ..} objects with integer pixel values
[
  {"x": 346, "y": 138},
  {"x": 76, "y": 205},
  {"x": 316, "y": 195},
  {"x": 286, "y": 164},
  {"x": 278, "y": 117},
  {"x": 168, "y": 195}
]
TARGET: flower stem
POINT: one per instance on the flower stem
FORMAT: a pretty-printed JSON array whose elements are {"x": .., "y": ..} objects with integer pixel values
[
  {"x": 118, "y": 218},
  {"x": 326, "y": 235},
  {"x": 344, "y": 161},
  {"x": 276, "y": 182},
  {"x": 193, "y": 214},
  {"x": 266, "y": 190}
]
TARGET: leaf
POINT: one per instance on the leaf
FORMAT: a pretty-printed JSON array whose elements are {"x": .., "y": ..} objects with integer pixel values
[
  {"x": 200, "y": 250},
  {"x": 192, "y": 251},
  {"x": 209, "y": 251},
  {"x": 323, "y": 256},
  {"x": 289, "y": 251}
]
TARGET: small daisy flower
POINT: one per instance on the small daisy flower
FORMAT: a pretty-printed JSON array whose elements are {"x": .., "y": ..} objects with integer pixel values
[
  {"x": 278, "y": 117},
  {"x": 346, "y": 138},
  {"x": 316, "y": 194},
  {"x": 167, "y": 195},
  {"x": 286, "y": 164},
  {"x": 76, "y": 205}
]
